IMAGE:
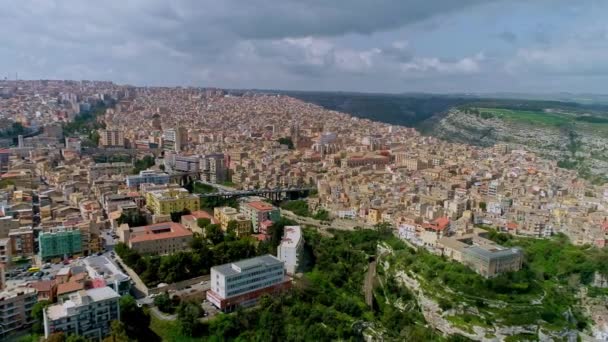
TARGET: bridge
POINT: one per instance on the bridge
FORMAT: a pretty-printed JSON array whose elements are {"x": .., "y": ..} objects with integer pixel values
[{"x": 275, "y": 194}]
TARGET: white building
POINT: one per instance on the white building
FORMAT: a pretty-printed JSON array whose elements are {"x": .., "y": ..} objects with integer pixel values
[
  {"x": 99, "y": 267},
  {"x": 241, "y": 283},
  {"x": 290, "y": 249},
  {"x": 86, "y": 313}
]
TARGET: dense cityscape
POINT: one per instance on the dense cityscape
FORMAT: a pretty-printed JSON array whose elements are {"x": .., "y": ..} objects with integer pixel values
[{"x": 123, "y": 205}]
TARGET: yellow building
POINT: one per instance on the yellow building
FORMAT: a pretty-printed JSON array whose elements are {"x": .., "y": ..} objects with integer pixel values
[
  {"x": 224, "y": 215},
  {"x": 374, "y": 215},
  {"x": 167, "y": 201}
]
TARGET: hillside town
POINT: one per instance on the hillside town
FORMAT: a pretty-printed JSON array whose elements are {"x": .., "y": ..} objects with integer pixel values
[{"x": 154, "y": 170}]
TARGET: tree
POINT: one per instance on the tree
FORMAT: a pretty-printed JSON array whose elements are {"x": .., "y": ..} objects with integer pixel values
[
  {"x": 56, "y": 337},
  {"x": 214, "y": 233},
  {"x": 384, "y": 228},
  {"x": 134, "y": 318},
  {"x": 176, "y": 216},
  {"x": 76, "y": 338},
  {"x": 118, "y": 332},
  {"x": 231, "y": 230},
  {"x": 188, "y": 314},
  {"x": 321, "y": 215},
  {"x": 164, "y": 303},
  {"x": 203, "y": 222},
  {"x": 287, "y": 141},
  {"x": 37, "y": 315}
]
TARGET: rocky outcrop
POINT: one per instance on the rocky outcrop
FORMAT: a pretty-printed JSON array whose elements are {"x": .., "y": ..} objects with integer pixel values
[{"x": 589, "y": 146}]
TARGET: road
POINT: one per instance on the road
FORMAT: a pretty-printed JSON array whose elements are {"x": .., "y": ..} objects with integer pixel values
[{"x": 368, "y": 284}]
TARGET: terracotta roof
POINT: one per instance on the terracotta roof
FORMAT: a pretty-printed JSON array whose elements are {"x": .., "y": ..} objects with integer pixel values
[
  {"x": 43, "y": 285},
  {"x": 69, "y": 287},
  {"x": 259, "y": 205},
  {"x": 159, "y": 231}
]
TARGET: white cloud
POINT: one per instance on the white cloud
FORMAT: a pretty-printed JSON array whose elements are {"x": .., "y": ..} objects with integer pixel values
[{"x": 465, "y": 65}]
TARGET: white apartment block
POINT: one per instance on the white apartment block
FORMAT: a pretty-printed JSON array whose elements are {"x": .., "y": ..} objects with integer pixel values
[
  {"x": 87, "y": 313},
  {"x": 241, "y": 283},
  {"x": 290, "y": 249}
]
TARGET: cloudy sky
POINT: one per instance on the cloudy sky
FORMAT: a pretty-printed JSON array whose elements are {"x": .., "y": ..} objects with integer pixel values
[{"x": 354, "y": 45}]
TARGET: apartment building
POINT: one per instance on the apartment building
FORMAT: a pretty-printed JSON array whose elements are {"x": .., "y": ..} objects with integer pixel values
[
  {"x": 5, "y": 251},
  {"x": 16, "y": 309},
  {"x": 148, "y": 177},
  {"x": 87, "y": 313},
  {"x": 259, "y": 212},
  {"x": 111, "y": 138},
  {"x": 290, "y": 248},
  {"x": 99, "y": 170},
  {"x": 22, "y": 241},
  {"x": 213, "y": 168},
  {"x": 167, "y": 201},
  {"x": 241, "y": 283},
  {"x": 225, "y": 215},
  {"x": 160, "y": 238},
  {"x": 59, "y": 242},
  {"x": 6, "y": 224}
]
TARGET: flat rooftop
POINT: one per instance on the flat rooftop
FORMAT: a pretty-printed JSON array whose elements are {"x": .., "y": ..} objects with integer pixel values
[
  {"x": 247, "y": 264},
  {"x": 291, "y": 236}
]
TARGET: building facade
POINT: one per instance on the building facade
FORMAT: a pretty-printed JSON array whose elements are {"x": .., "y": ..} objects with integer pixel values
[
  {"x": 213, "y": 168},
  {"x": 22, "y": 241},
  {"x": 59, "y": 242},
  {"x": 16, "y": 309},
  {"x": 167, "y": 201},
  {"x": 160, "y": 238},
  {"x": 111, "y": 138},
  {"x": 148, "y": 177},
  {"x": 87, "y": 313},
  {"x": 242, "y": 283},
  {"x": 290, "y": 249},
  {"x": 259, "y": 212}
]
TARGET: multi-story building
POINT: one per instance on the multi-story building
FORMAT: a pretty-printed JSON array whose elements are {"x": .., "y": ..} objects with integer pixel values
[
  {"x": 99, "y": 267},
  {"x": 480, "y": 254},
  {"x": 186, "y": 163},
  {"x": 5, "y": 251},
  {"x": 259, "y": 212},
  {"x": 174, "y": 139},
  {"x": 59, "y": 242},
  {"x": 290, "y": 249},
  {"x": 160, "y": 238},
  {"x": 87, "y": 313},
  {"x": 111, "y": 138},
  {"x": 99, "y": 170},
  {"x": 148, "y": 177},
  {"x": 167, "y": 201},
  {"x": 213, "y": 168},
  {"x": 22, "y": 241},
  {"x": 224, "y": 215},
  {"x": 4, "y": 160},
  {"x": 16, "y": 309},
  {"x": 374, "y": 215},
  {"x": 6, "y": 224},
  {"x": 242, "y": 283}
]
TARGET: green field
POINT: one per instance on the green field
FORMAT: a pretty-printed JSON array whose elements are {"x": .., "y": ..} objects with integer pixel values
[
  {"x": 556, "y": 119},
  {"x": 528, "y": 117}
]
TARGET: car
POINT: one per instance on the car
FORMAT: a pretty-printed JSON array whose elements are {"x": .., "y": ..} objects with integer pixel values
[
  {"x": 66, "y": 262},
  {"x": 99, "y": 253},
  {"x": 46, "y": 266}
]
